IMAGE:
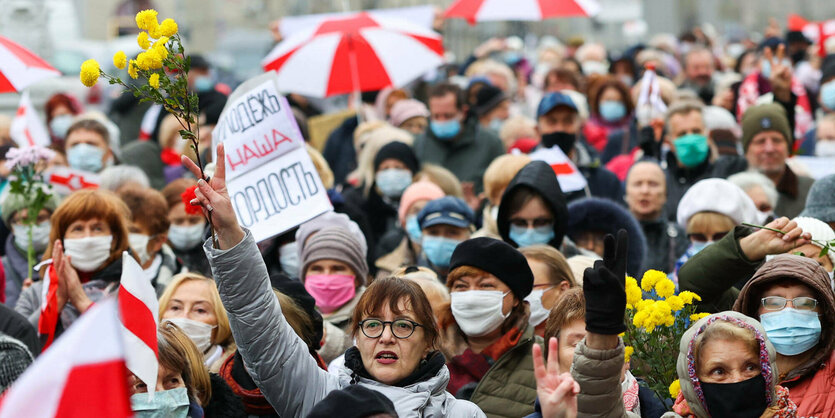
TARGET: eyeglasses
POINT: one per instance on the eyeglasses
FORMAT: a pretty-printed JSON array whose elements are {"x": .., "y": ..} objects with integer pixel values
[
  {"x": 400, "y": 328},
  {"x": 531, "y": 223},
  {"x": 704, "y": 238},
  {"x": 776, "y": 303}
]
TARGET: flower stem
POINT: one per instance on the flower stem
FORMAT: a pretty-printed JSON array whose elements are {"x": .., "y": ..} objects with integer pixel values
[{"x": 30, "y": 253}]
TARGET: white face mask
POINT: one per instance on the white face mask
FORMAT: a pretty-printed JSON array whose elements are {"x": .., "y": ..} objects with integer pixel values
[
  {"x": 288, "y": 257},
  {"x": 478, "y": 312},
  {"x": 185, "y": 238},
  {"x": 139, "y": 245},
  {"x": 88, "y": 254},
  {"x": 40, "y": 236},
  {"x": 825, "y": 149},
  {"x": 538, "y": 312},
  {"x": 199, "y": 333}
]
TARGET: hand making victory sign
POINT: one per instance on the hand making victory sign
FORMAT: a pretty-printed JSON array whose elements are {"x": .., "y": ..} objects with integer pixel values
[
  {"x": 557, "y": 392},
  {"x": 214, "y": 199},
  {"x": 781, "y": 73}
]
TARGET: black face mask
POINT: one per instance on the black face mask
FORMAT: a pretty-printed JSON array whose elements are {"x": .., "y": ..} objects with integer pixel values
[
  {"x": 745, "y": 399},
  {"x": 564, "y": 140}
]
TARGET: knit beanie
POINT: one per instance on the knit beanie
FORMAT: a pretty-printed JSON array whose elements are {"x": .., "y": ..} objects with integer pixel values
[
  {"x": 10, "y": 203},
  {"x": 487, "y": 98},
  {"x": 422, "y": 190},
  {"x": 763, "y": 118},
  {"x": 325, "y": 220},
  {"x": 355, "y": 401},
  {"x": 406, "y": 109},
  {"x": 820, "y": 202},
  {"x": 399, "y": 151},
  {"x": 820, "y": 231},
  {"x": 497, "y": 258},
  {"x": 335, "y": 243}
]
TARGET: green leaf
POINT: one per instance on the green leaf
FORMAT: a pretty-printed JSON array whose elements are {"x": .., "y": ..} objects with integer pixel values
[
  {"x": 824, "y": 252},
  {"x": 187, "y": 134},
  {"x": 799, "y": 253}
]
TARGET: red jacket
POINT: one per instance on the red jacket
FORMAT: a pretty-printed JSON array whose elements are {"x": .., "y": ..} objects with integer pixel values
[{"x": 814, "y": 394}]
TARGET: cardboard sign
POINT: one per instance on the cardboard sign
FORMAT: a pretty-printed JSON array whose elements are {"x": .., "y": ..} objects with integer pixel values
[
  {"x": 271, "y": 180},
  {"x": 569, "y": 177}
]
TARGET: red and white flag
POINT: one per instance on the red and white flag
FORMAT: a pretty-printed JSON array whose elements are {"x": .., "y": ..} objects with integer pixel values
[
  {"x": 27, "y": 130},
  {"x": 83, "y": 375},
  {"x": 569, "y": 177},
  {"x": 48, "y": 319},
  {"x": 66, "y": 180},
  {"x": 139, "y": 307}
]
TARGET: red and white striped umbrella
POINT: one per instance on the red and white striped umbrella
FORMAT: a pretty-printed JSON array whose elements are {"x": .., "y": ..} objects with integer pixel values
[
  {"x": 492, "y": 10},
  {"x": 358, "y": 52},
  {"x": 20, "y": 68}
]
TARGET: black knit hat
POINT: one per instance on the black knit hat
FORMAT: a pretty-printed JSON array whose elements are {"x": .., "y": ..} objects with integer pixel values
[
  {"x": 354, "y": 401},
  {"x": 497, "y": 258},
  {"x": 487, "y": 98},
  {"x": 400, "y": 152}
]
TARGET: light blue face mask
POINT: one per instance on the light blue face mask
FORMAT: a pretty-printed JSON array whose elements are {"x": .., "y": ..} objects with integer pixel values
[
  {"x": 203, "y": 84},
  {"x": 828, "y": 95},
  {"x": 612, "y": 110},
  {"x": 288, "y": 257},
  {"x": 445, "y": 130},
  {"x": 413, "y": 229},
  {"x": 85, "y": 157},
  {"x": 59, "y": 125},
  {"x": 168, "y": 403},
  {"x": 439, "y": 250},
  {"x": 496, "y": 125},
  {"x": 696, "y": 247},
  {"x": 792, "y": 331},
  {"x": 393, "y": 181},
  {"x": 525, "y": 237}
]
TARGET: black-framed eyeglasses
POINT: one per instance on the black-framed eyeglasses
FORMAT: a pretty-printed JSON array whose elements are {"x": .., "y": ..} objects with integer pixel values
[
  {"x": 400, "y": 328},
  {"x": 776, "y": 303}
]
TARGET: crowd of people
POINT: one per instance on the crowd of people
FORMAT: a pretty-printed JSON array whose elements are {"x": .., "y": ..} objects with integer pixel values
[{"x": 453, "y": 261}]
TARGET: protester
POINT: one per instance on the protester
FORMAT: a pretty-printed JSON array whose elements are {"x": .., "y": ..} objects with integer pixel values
[
  {"x": 116, "y": 176},
  {"x": 87, "y": 146},
  {"x": 60, "y": 110},
  {"x": 699, "y": 67},
  {"x": 492, "y": 108},
  {"x": 518, "y": 133},
  {"x": 760, "y": 189},
  {"x": 410, "y": 115},
  {"x": 192, "y": 303},
  {"x": 820, "y": 203},
  {"x": 611, "y": 107},
  {"x": 496, "y": 179},
  {"x": 187, "y": 230},
  {"x": 354, "y": 402},
  {"x": 646, "y": 195},
  {"x": 551, "y": 278},
  {"x": 444, "y": 223}
]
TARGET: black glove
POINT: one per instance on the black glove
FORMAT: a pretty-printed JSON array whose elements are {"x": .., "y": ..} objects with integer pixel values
[
  {"x": 648, "y": 143},
  {"x": 604, "y": 287}
]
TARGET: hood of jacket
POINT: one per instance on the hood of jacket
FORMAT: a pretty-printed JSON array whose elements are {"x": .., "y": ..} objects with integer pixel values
[
  {"x": 808, "y": 272},
  {"x": 603, "y": 215},
  {"x": 539, "y": 177},
  {"x": 686, "y": 370}
]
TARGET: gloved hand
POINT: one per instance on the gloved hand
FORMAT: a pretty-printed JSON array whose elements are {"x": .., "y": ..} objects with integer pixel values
[
  {"x": 648, "y": 143},
  {"x": 604, "y": 287}
]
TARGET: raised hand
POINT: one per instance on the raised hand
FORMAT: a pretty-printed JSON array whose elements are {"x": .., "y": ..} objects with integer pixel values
[
  {"x": 781, "y": 73},
  {"x": 604, "y": 286},
  {"x": 765, "y": 242},
  {"x": 214, "y": 199},
  {"x": 557, "y": 392},
  {"x": 69, "y": 285}
]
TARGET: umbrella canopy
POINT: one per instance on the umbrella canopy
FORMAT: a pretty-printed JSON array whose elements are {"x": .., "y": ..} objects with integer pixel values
[
  {"x": 491, "y": 10},
  {"x": 20, "y": 68},
  {"x": 358, "y": 52}
]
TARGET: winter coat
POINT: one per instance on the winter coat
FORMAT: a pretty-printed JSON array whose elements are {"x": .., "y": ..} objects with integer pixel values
[
  {"x": 690, "y": 386},
  {"x": 279, "y": 361},
  {"x": 193, "y": 260},
  {"x": 381, "y": 214},
  {"x": 466, "y": 155},
  {"x": 598, "y": 374},
  {"x": 15, "y": 265},
  {"x": 167, "y": 269},
  {"x": 402, "y": 256},
  {"x": 15, "y": 358},
  {"x": 666, "y": 242},
  {"x": 810, "y": 384},
  {"x": 679, "y": 180},
  {"x": 224, "y": 403},
  {"x": 16, "y": 326},
  {"x": 339, "y": 150}
]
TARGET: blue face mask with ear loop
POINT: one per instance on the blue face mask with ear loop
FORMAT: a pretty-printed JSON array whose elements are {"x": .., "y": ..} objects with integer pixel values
[
  {"x": 413, "y": 229},
  {"x": 792, "y": 331},
  {"x": 167, "y": 403},
  {"x": 439, "y": 250},
  {"x": 525, "y": 237}
]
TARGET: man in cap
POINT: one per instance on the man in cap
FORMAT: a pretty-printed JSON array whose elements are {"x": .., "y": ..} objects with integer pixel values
[{"x": 444, "y": 223}]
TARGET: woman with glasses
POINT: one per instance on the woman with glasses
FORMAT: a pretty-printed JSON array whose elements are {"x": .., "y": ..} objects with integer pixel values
[{"x": 396, "y": 336}]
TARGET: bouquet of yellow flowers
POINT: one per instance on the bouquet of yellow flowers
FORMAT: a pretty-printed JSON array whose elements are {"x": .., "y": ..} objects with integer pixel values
[{"x": 654, "y": 328}]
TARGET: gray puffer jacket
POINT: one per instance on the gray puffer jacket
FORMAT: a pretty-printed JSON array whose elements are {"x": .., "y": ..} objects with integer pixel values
[{"x": 279, "y": 361}]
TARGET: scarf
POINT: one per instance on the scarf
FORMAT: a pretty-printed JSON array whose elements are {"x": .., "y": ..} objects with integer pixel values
[
  {"x": 782, "y": 407},
  {"x": 427, "y": 368}
]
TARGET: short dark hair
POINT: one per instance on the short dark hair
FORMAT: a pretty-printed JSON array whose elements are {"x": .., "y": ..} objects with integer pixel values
[
  {"x": 392, "y": 290},
  {"x": 90, "y": 125},
  {"x": 441, "y": 90}
]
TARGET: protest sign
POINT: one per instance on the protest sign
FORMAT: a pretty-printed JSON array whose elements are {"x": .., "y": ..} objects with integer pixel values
[
  {"x": 271, "y": 180},
  {"x": 569, "y": 177}
]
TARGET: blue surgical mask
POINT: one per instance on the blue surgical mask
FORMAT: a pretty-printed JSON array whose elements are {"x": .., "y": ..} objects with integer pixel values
[
  {"x": 168, "y": 403},
  {"x": 525, "y": 237},
  {"x": 40, "y": 236},
  {"x": 288, "y": 257},
  {"x": 691, "y": 149},
  {"x": 85, "y": 157},
  {"x": 59, "y": 125},
  {"x": 697, "y": 246},
  {"x": 496, "y": 125},
  {"x": 413, "y": 229},
  {"x": 393, "y": 181},
  {"x": 612, "y": 110},
  {"x": 203, "y": 84},
  {"x": 445, "y": 130},
  {"x": 439, "y": 250},
  {"x": 792, "y": 331},
  {"x": 828, "y": 95}
]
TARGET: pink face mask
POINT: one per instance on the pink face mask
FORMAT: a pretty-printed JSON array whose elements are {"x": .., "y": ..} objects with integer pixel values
[{"x": 330, "y": 291}]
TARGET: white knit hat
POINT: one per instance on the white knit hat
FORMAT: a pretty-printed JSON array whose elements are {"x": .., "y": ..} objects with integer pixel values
[
  {"x": 716, "y": 195},
  {"x": 820, "y": 231}
]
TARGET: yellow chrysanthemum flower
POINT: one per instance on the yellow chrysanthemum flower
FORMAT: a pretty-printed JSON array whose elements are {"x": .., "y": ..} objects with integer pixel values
[
  {"x": 153, "y": 80},
  {"x": 627, "y": 353},
  {"x": 90, "y": 71},
  {"x": 688, "y": 297},
  {"x": 697, "y": 316},
  {"x": 143, "y": 40},
  {"x": 644, "y": 304},
  {"x": 168, "y": 27},
  {"x": 675, "y": 388},
  {"x": 132, "y": 70},
  {"x": 633, "y": 292},
  {"x": 120, "y": 60},
  {"x": 155, "y": 32},
  {"x": 147, "y": 19},
  {"x": 149, "y": 60},
  {"x": 665, "y": 288},
  {"x": 675, "y": 302},
  {"x": 159, "y": 47},
  {"x": 651, "y": 277}
]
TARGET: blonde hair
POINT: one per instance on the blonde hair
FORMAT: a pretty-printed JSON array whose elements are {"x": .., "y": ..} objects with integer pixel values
[
  {"x": 441, "y": 177},
  {"x": 724, "y": 330},
  {"x": 702, "y": 220},
  {"x": 500, "y": 172},
  {"x": 223, "y": 333},
  {"x": 178, "y": 353},
  {"x": 426, "y": 279},
  {"x": 558, "y": 269},
  {"x": 365, "y": 171},
  {"x": 517, "y": 127},
  {"x": 322, "y": 167}
]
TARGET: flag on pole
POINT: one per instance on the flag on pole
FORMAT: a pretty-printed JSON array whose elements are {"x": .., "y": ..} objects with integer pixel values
[
  {"x": 139, "y": 308},
  {"x": 83, "y": 375},
  {"x": 27, "y": 130},
  {"x": 49, "y": 305},
  {"x": 567, "y": 173}
]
